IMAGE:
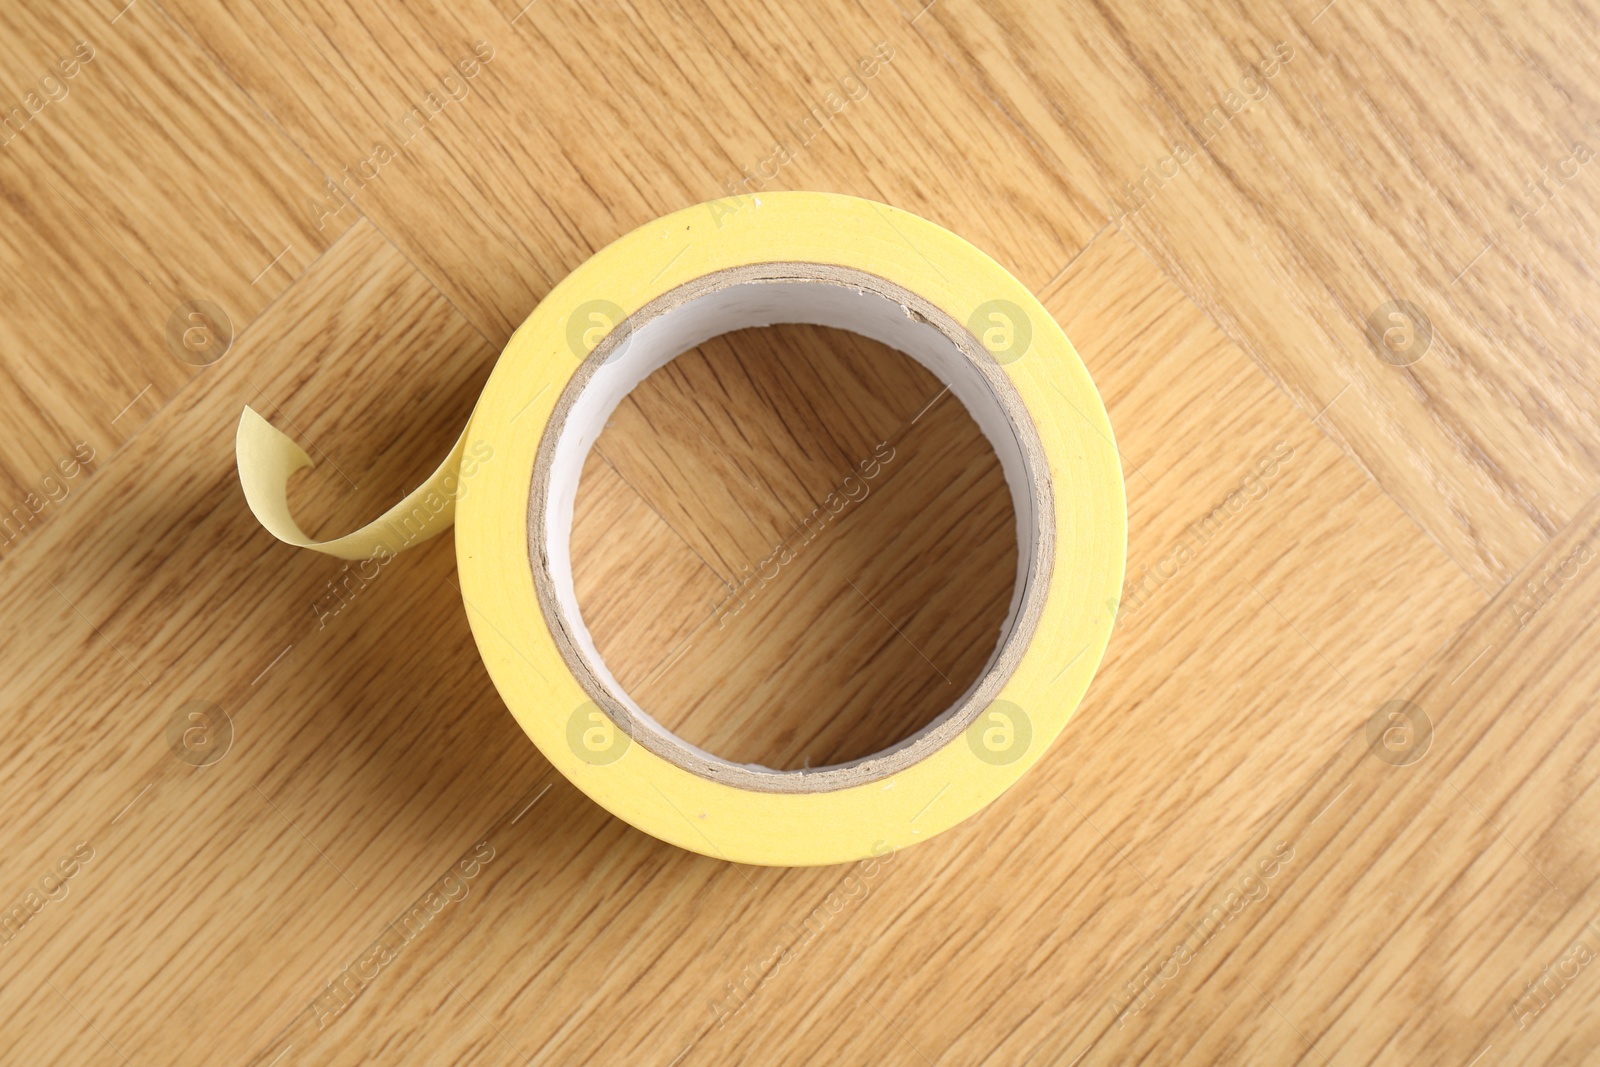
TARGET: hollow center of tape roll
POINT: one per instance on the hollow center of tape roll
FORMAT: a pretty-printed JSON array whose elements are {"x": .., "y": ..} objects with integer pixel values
[{"x": 768, "y": 294}]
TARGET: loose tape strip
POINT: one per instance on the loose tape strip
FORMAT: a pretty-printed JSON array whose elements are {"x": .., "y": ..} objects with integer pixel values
[{"x": 662, "y": 289}]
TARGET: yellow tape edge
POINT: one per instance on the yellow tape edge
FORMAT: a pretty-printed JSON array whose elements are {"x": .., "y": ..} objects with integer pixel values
[{"x": 657, "y": 796}]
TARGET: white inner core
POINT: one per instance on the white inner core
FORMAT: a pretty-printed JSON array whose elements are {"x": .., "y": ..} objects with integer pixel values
[{"x": 750, "y": 304}]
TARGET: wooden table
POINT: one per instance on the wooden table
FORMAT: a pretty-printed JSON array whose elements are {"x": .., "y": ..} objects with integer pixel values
[{"x": 1330, "y": 798}]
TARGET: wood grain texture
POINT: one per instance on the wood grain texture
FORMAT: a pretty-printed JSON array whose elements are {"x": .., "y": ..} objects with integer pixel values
[
  {"x": 1294, "y": 182},
  {"x": 142, "y": 179},
  {"x": 1233, "y": 854}
]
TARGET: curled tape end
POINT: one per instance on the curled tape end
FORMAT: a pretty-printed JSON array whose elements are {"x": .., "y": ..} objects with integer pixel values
[{"x": 267, "y": 457}]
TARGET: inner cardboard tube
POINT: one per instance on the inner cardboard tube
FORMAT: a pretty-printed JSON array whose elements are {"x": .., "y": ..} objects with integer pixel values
[{"x": 762, "y": 295}]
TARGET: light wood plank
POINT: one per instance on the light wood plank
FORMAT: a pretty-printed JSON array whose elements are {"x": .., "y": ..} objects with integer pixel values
[
  {"x": 1303, "y": 165},
  {"x": 143, "y": 180}
]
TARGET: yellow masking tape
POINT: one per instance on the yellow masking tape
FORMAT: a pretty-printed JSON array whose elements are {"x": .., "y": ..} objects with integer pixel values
[{"x": 713, "y": 268}]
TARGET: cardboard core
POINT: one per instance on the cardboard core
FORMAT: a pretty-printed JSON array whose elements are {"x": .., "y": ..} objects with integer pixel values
[{"x": 764, "y": 295}]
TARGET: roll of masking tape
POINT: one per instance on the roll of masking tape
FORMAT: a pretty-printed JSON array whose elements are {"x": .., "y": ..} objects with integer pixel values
[{"x": 663, "y": 289}]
